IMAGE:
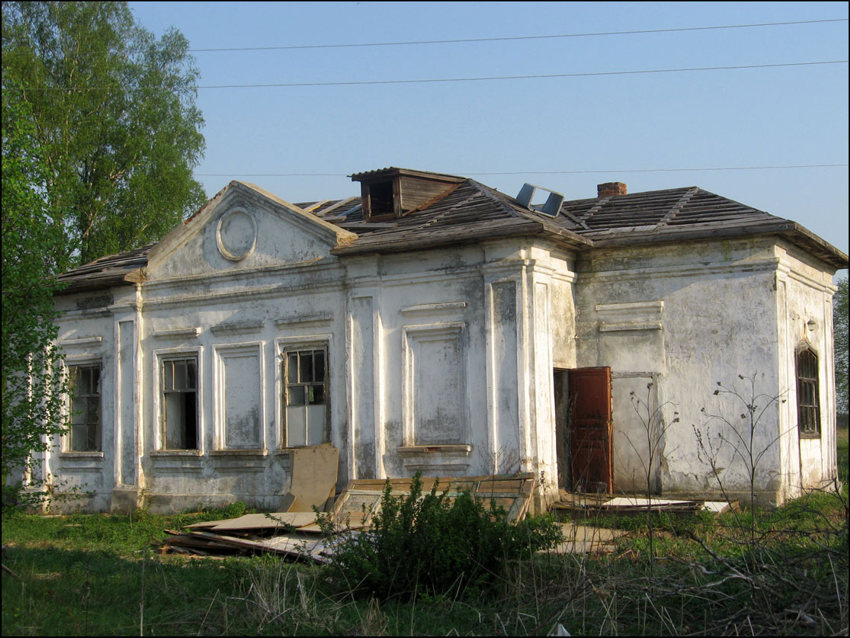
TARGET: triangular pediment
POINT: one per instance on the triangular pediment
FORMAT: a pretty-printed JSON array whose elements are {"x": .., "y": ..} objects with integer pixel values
[{"x": 244, "y": 227}]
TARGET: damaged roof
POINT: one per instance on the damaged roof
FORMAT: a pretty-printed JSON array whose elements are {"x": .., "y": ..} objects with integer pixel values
[
  {"x": 468, "y": 211},
  {"x": 112, "y": 270}
]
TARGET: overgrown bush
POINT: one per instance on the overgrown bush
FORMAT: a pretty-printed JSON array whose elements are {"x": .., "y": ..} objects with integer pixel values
[{"x": 434, "y": 544}]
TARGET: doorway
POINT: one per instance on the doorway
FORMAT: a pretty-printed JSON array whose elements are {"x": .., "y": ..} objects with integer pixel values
[{"x": 584, "y": 429}]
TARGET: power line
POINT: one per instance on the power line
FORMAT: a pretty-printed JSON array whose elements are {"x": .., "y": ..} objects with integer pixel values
[
  {"x": 465, "y": 79},
  {"x": 512, "y": 38},
  {"x": 515, "y": 77},
  {"x": 571, "y": 172}
]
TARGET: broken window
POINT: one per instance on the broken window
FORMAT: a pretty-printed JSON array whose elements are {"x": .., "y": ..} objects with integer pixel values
[
  {"x": 180, "y": 404},
  {"x": 306, "y": 397},
  {"x": 85, "y": 408},
  {"x": 808, "y": 405}
]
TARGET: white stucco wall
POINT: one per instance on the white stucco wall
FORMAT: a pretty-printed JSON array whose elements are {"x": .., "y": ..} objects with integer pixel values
[
  {"x": 441, "y": 361},
  {"x": 683, "y": 318},
  {"x": 804, "y": 301}
]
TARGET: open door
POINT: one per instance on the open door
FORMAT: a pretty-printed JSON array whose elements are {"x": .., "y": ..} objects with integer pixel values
[
  {"x": 561, "y": 379},
  {"x": 590, "y": 430}
]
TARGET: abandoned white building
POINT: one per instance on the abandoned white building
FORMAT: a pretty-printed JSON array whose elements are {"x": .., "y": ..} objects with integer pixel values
[{"x": 434, "y": 324}]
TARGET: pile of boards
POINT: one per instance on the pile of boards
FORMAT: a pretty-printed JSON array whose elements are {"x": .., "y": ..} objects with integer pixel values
[{"x": 297, "y": 535}]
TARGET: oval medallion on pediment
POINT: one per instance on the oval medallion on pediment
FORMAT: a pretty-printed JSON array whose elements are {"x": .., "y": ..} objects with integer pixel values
[{"x": 236, "y": 235}]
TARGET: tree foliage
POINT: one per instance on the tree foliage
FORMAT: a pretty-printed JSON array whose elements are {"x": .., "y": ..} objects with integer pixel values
[
  {"x": 100, "y": 136},
  {"x": 115, "y": 117},
  {"x": 840, "y": 331},
  {"x": 31, "y": 372}
]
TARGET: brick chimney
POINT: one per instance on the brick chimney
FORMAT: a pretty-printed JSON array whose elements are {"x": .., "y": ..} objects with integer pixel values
[{"x": 610, "y": 189}]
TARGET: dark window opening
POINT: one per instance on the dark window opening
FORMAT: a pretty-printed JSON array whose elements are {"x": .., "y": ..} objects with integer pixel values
[
  {"x": 381, "y": 199},
  {"x": 808, "y": 404},
  {"x": 85, "y": 408},
  {"x": 180, "y": 404}
]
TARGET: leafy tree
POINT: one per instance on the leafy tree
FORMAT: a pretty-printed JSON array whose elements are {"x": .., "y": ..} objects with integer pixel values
[
  {"x": 840, "y": 331},
  {"x": 115, "y": 117},
  {"x": 100, "y": 136},
  {"x": 31, "y": 406}
]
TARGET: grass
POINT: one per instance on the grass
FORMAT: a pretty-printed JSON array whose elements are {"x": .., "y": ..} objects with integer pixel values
[{"x": 100, "y": 575}]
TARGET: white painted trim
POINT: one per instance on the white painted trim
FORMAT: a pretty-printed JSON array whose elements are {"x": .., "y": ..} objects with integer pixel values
[
  {"x": 434, "y": 307},
  {"x": 250, "y": 294},
  {"x": 287, "y": 322},
  {"x": 237, "y": 327},
  {"x": 605, "y": 326},
  {"x": 80, "y": 342},
  {"x": 177, "y": 332},
  {"x": 625, "y": 307},
  {"x": 452, "y": 449},
  {"x": 661, "y": 272}
]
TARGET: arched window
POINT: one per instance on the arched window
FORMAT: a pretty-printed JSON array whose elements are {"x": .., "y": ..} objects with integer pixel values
[{"x": 808, "y": 406}]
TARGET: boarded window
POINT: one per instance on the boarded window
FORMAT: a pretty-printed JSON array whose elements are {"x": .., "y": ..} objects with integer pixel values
[
  {"x": 306, "y": 397},
  {"x": 180, "y": 404},
  {"x": 240, "y": 398},
  {"x": 435, "y": 386},
  {"x": 808, "y": 405},
  {"x": 85, "y": 408}
]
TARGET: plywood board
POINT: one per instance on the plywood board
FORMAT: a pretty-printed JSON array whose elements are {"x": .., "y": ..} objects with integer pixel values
[
  {"x": 314, "y": 471},
  {"x": 274, "y": 520}
]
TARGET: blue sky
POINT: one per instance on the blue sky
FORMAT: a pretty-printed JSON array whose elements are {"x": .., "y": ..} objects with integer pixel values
[{"x": 545, "y": 131}]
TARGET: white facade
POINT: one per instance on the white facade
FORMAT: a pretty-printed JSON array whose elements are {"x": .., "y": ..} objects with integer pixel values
[{"x": 441, "y": 360}]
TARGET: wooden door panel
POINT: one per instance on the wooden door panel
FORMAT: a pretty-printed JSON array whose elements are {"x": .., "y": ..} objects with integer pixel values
[{"x": 591, "y": 429}]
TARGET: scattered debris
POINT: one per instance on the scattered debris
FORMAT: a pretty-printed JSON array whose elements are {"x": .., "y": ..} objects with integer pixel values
[
  {"x": 297, "y": 535},
  {"x": 631, "y": 503},
  {"x": 626, "y": 505},
  {"x": 356, "y": 506}
]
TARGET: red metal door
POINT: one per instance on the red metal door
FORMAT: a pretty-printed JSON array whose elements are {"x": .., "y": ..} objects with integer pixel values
[{"x": 591, "y": 430}]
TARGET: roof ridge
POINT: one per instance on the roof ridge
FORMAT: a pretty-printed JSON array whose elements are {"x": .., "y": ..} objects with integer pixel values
[
  {"x": 592, "y": 211},
  {"x": 678, "y": 206}
]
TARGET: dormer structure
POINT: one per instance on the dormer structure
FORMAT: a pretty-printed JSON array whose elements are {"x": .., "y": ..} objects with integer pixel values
[{"x": 393, "y": 192}]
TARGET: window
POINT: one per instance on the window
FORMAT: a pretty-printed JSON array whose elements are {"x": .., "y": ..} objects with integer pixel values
[
  {"x": 85, "y": 408},
  {"x": 180, "y": 404},
  {"x": 808, "y": 406},
  {"x": 381, "y": 199},
  {"x": 306, "y": 397}
]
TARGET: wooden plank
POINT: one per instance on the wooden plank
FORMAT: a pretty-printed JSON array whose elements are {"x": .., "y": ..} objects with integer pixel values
[
  {"x": 275, "y": 520},
  {"x": 243, "y": 543}
]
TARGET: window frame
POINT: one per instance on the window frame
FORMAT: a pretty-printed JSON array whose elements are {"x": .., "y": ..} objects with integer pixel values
[
  {"x": 808, "y": 392},
  {"x": 286, "y": 351},
  {"x": 162, "y": 395},
  {"x": 88, "y": 364}
]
